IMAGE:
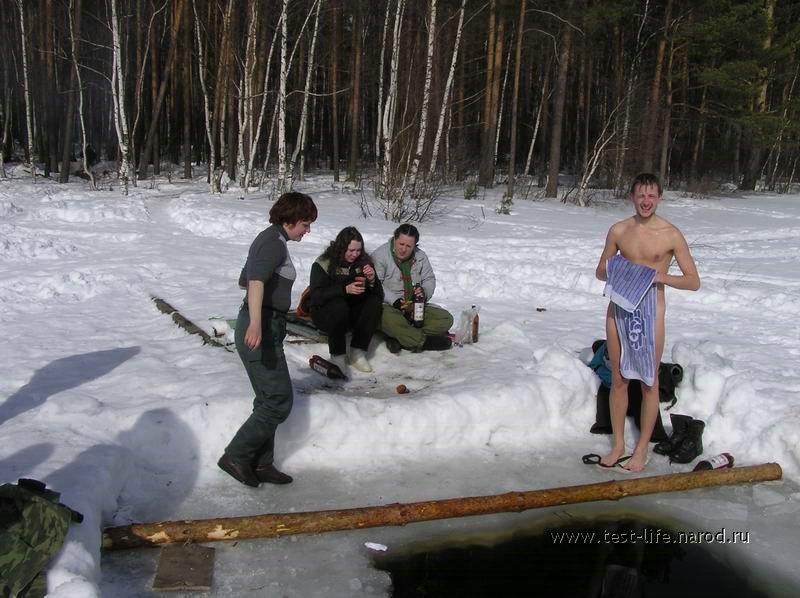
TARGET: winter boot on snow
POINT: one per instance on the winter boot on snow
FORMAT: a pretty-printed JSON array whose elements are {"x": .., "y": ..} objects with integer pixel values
[
  {"x": 358, "y": 359},
  {"x": 339, "y": 361},
  {"x": 692, "y": 445},
  {"x": 679, "y": 425}
]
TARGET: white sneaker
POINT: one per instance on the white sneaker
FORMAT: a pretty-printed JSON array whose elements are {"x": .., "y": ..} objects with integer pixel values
[
  {"x": 339, "y": 361},
  {"x": 358, "y": 359}
]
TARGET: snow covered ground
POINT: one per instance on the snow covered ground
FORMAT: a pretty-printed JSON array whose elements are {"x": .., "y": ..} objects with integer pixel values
[{"x": 106, "y": 400}]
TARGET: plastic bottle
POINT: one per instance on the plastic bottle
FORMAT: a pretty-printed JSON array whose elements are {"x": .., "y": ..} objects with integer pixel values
[
  {"x": 418, "y": 312},
  {"x": 475, "y": 325},
  {"x": 326, "y": 368},
  {"x": 720, "y": 461}
]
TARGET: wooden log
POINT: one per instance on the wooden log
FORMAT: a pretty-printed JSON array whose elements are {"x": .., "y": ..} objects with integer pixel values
[
  {"x": 283, "y": 524},
  {"x": 186, "y": 323}
]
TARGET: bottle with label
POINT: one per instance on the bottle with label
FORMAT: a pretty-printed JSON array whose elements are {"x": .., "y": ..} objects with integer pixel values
[
  {"x": 326, "y": 368},
  {"x": 721, "y": 461},
  {"x": 418, "y": 307},
  {"x": 475, "y": 324}
]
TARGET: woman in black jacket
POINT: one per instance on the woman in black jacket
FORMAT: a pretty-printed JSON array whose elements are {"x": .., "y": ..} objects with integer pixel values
[{"x": 346, "y": 295}]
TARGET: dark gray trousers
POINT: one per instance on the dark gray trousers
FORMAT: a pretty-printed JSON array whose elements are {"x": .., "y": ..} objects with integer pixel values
[{"x": 254, "y": 443}]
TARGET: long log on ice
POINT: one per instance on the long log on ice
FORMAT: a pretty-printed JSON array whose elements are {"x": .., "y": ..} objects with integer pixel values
[{"x": 284, "y": 524}]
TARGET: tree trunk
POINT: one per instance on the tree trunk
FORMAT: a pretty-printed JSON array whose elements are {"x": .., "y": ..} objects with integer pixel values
[
  {"x": 540, "y": 118},
  {"x": 27, "y": 89},
  {"x": 485, "y": 171},
  {"x": 391, "y": 97},
  {"x": 446, "y": 95},
  {"x": 152, "y": 134},
  {"x": 231, "y": 103},
  {"x": 512, "y": 158},
  {"x": 381, "y": 69},
  {"x": 187, "y": 96},
  {"x": 355, "y": 96},
  {"x": 284, "y": 524},
  {"x": 118, "y": 94},
  {"x": 665, "y": 135},
  {"x": 201, "y": 69},
  {"x": 299, "y": 146},
  {"x": 284, "y": 185},
  {"x": 66, "y": 148},
  {"x": 649, "y": 132},
  {"x": 558, "y": 111},
  {"x": 51, "y": 107},
  {"x": 753, "y": 171},
  {"x": 633, "y": 77},
  {"x": 336, "y": 9},
  {"x": 426, "y": 95}
]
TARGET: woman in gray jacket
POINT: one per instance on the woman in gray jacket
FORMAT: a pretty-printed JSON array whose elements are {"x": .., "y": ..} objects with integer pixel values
[{"x": 400, "y": 265}]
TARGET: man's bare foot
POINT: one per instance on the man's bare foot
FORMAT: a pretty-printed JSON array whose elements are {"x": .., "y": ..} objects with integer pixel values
[
  {"x": 637, "y": 462},
  {"x": 611, "y": 458}
]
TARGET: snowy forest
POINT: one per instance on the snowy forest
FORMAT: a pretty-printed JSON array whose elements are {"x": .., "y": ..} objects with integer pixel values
[{"x": 406, "y": 94}]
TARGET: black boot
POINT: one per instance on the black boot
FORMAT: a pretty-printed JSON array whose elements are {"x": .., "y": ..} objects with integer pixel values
[
  {"x": 679, "y": 425},
  {"x": 437, "y": 343},
  {"x": 692, "y": 445}
]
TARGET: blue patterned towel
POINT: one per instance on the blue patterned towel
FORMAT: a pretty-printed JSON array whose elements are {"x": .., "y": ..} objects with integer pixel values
[
  {"x": 630, "y": 288},
  {"x": 627, "y": 282},
  {"x": 637, "y": 339}
]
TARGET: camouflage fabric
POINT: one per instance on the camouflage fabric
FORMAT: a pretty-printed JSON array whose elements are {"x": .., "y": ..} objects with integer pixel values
[{"x": 33, "y": 525}]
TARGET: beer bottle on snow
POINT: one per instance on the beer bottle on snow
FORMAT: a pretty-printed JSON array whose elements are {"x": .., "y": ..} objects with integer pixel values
[
  {"x": 418, "y": 307},
  {"x": 326, "y": 368},
  {"x": 720, "y": 461}
]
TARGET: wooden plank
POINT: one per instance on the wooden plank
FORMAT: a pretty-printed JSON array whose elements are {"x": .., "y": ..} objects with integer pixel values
[{"x": 183, "y": 567}]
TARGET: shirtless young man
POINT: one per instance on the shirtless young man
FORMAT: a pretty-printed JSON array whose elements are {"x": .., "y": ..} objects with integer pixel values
[{"x": 649, "y": 240}]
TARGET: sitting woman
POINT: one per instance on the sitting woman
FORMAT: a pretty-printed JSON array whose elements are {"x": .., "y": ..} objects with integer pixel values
[{"x": 345, "y": 294}]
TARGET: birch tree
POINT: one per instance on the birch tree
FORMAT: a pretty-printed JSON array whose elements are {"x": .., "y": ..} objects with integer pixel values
[
  {"x": 118, "y": 96},
  {"x": 426, "y": 95},
  {"x": 391, "y": 101},
  {"x": 381, "y": 68},
  {"x": 74, "y": 36},
  {"x": 5, "y": 117},
  {"x": 284, "y": 183},
  {"x": 301, "y": 131},
  {"x": 632, "y": 80},
  {"x": 246, "y": 94},
  {"x": 448, "y": 87},
  {"x": 27, "y": 89},
  {"x": 213, "y": 179},
  {"x": 257, "y": 133}
]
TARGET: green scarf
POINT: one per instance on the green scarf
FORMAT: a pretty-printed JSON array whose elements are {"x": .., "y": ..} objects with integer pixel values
[{"x": 405, "y": 272}]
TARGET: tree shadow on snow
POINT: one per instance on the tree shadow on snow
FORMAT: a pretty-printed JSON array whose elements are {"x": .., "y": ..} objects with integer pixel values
[{"x": 63, "y": 374}]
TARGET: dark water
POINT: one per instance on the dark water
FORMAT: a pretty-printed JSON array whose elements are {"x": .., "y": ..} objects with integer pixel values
[{"x": 624, "y": 558}]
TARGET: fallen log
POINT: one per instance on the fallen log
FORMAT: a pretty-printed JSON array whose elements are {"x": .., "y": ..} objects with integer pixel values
[
  {"x": 283, "y": 524},
  {"x": 186, "y": 323}
]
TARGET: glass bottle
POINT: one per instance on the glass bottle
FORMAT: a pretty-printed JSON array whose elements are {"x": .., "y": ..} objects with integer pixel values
[
  {"x": 418, "y": 311},
  {"x": 720, "y": 461}
]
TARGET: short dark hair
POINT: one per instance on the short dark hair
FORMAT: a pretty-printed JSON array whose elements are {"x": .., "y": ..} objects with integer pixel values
[
  {"x": 408, "y": 230},
  {"x": 292, "y": 208},
  {"x": 645, "y": 179}
]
